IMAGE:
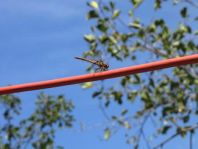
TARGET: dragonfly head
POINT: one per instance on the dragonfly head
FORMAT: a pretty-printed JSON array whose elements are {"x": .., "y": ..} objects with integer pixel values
[{"x": 106, "y": 65}]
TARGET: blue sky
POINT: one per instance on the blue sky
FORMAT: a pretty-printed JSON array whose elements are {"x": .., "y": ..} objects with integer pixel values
[{"x": 38, "y": 41}]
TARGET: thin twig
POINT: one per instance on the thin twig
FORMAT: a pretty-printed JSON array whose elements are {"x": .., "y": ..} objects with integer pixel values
[
  {"x": 145, "y": 139},
  {"x": 104, "y": 112},
  {"x": 190, "y": 71},
  {"x": 141, "y": 131},
  {"x": 186, "y": 129},
  {"x": 154, "y": 50},
  {"x": 191, "y": 137},
  {"x": 166, "y": 141}
]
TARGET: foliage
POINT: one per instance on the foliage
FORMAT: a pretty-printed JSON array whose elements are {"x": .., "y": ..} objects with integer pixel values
[
  {"x": 169, "y": 97},
  {"x": 37, "y": 130}
]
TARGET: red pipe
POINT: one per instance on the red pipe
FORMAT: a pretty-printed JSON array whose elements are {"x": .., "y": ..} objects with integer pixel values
[{"x": 101, "y": 75}]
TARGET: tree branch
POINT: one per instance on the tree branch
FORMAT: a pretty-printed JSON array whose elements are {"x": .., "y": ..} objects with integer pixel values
[
  {"x": 185, "y": 129},
  {"x": 141, "y": 131},
  {"x": 166, "y": 141},
  {"x": 190, "y": 71}
]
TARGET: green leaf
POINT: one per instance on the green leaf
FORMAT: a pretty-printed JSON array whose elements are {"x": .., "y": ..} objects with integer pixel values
[
  {"x": 107, "y": 133},
  {"x": 124, "y": 112},
  {"x": 137, "y": 79},
  {"x": 92, "y": 14},
  {"x": 116, "y": 13},
  {"x": 6, "y": 146},
  {"x": 103, "y": 39},
  {"x": 95, "y": 94},
  {"x": 181, "y": 131},
  {"x": 186, "y": 118},
  {"x": 98, "y": 92},
  {"x": 152, "y": 28},
  {"x": 157, "y": 4},
  {"x": 127, "y": 125},
  {"x": 159, "y": 22},
  {"x": 125, "y": 80},
  {"x": 93, "y": 4},
  {"x": 181, "y": 106},
  {"x": 196, "y": 82},
  {"x": 168, "y": 110},
  {"x": 87, "y": 85},
  {"x": 176, "y": 43},
  {"x": 196, "y": 18},
  {"x": 117, "y": 96},
  {"x": 196, "y": 32},
  {"x": 113, "y": 40},
  {"x": 89, "y": 38},
  {"x": 136, "y": 24},
  {"x": 147, "y": 99},
  {"x": 165, "y": 129},
  {"x": 102, "y": 25},
  {"x": 136, "y": 3},
  {"x": 184, "y": 28},
  {"x": 131, "y": 13},
  {"x": 125, "y": 37},
  {"x": 132, "y": 95},
  {"x": 106, "y": 8},
  {"x": 184, "y": 12},
  {"x": 112, "y": 5}
]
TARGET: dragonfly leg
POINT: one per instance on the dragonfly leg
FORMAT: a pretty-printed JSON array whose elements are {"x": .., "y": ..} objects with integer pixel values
[
  {"x": 98, "y": 69},
  {"x": 104, "y": 69}
]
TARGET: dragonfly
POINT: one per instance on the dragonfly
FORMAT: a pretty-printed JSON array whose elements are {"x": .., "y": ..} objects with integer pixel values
[{"x": 102, "y": 66}]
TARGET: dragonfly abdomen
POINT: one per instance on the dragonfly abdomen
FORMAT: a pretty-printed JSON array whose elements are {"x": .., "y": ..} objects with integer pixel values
[{"x": 87, "y": 60}]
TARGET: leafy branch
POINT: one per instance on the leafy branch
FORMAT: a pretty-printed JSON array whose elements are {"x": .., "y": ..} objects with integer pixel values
[{"x": 180, "y": 131}]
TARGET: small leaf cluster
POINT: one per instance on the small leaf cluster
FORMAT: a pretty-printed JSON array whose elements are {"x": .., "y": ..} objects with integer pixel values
[
  {"x": 169, "y": 97},
  {"x": 38, "y": 129}
]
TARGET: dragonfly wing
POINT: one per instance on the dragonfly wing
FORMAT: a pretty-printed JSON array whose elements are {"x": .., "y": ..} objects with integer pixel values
[{"x": 87, "y": 60}]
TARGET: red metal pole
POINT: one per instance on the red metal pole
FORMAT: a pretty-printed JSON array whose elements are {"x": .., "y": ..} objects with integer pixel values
[{"x": 101, "y": 75}]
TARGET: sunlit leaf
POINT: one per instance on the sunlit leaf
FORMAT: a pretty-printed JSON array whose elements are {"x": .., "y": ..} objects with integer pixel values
[
  {"x": 93, "y": 4},
  {"x": 127, "y": 125},
  {"x": 157, "y": 4},
  {"x": 107, "y": 133},
  {"x": 116, "y": 13},
  {"x": 90, "y": 38},
  {"x": 136, "y": 24},
  {"x": 87, "y": 85},
  {"x": 136, "y": 3}
]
